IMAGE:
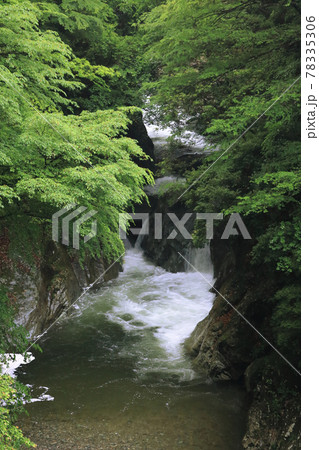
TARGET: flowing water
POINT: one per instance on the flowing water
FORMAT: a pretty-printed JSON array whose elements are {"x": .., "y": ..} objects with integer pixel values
[{"x": 116, "y": 376}]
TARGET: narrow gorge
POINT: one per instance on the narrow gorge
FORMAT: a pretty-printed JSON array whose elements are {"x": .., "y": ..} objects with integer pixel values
[
  {"x": 114, "y": 371},
  {"x": 150, "y": 357},
  {"x": 180, "y": 118}
]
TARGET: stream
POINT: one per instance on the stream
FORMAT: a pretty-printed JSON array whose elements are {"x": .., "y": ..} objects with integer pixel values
[{"x": 113, "y": 373}]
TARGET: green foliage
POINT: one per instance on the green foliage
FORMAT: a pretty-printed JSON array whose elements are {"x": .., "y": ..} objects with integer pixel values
[
  {"x": 102, "y": 34},
  {"x": 50, "y": 159},
  {"x": 11, "y": 436},
  {"x": 13, "y": 339},
  {"x": 85, "y": 159},
  {"x": 33, "y": 63},
  {"x": 276, "y": 191},
  {"x": 222, "y": 62},
  {"x": 224, "y": 65},
  {"x": 286, "y": 319}
]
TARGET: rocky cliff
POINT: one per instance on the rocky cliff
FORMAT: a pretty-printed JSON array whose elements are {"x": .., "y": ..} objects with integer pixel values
[
  {"x": 46, "y": 281},
  {"x": 228, "y": 349}
]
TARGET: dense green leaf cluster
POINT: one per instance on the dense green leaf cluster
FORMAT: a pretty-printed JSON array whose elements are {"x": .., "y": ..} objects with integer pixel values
[
  {"x": 11, "y": 436},
  {"x": 50, "y": 159},
  {"x": 104, "y": 37},
  {"x": 12, "y": 393}
]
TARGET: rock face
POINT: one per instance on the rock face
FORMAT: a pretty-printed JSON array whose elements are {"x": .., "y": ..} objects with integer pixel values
[
  {"x": 224, "y": 346},
  {"x": 272, "y": 431},
  {"x": 47, "y": 284},
  {"x": 219, "y": 343},
  {"x": 138, "y": 132},
  {"x": 165, "y": 252},
  {"x": 213, "y": 344}
]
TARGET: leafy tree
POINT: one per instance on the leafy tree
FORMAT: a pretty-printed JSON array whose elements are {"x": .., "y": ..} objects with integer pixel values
[
  {"x": 50, "y": 159},
  {"x": 89, "y": 162},
  {"x": 11, "y": 436},
  {"x": 34, "y": 63},
  {"x": 221, "y": 62},
  {"x": 105, "y": 36}
]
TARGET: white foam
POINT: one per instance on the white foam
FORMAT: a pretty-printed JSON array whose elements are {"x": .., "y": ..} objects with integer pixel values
[
  {"x": 162, "y": 304},
  {"x": 11, "y": 362},
  {"x": 14, "y": 360},
  {"x": 187, "y": 138},
  {"x": 44, "y": 397}
]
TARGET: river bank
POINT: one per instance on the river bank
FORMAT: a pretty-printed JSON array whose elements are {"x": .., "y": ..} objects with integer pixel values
[{"x": 118, "y": 376}]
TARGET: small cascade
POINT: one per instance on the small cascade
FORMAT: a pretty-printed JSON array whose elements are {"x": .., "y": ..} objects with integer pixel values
[
  {"x": 141, "y": 236},
  {"x": 127, "y": 244},
  {"x": 200, "y": 258},
  {"x": 187, "y": 138}
]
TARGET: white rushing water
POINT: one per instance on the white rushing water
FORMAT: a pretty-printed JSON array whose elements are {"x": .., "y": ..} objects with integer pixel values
[
  {"x": 160, "y": 307},
  {"x": 12, "y": 361},
  {"x": 187, "y": 138},
  {"x": 116, "y": 368},
  {"x": 135, "y": 325},
  {"x": 201, "y": 261}
]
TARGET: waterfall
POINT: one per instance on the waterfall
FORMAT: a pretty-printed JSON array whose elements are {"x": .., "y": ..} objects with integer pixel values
[
  {"x": 127, "y": 244},
  {"x": 141, "y": 236},
  {"x": 200, "y": 258}
]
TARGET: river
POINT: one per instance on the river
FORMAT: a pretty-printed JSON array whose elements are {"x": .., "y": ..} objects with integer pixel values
[{"x": 113, "y": 374}]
